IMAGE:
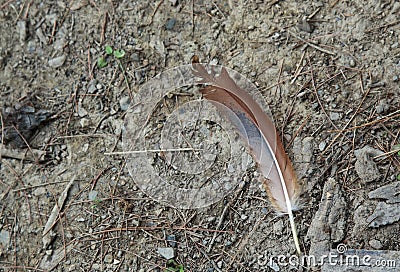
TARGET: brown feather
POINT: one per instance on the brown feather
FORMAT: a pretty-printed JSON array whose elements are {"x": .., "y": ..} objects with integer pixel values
[
  {"x": 240, "y": 102},
  {"x": 277, "y": 173}
]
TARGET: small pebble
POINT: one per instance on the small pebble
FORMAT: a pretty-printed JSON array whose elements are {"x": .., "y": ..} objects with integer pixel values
[
  {"x": 171, "y": 239},
  {"x": 81, "y": 111},
  {"x": 264, "y": 210},
  {"x": 322, "y": 146},
  {"x": 166, "y": 252},
  {"x": 376, "y": 244},
  {"x": 59, "y": 44},
  {"x": 395, "y": 78},
  {"x": 22, "y": 30},
  {"x": 31, "y": 46},
  {"x": 135, "y": 57},
  {"x": 108, "y": 258},
  {"x": 92, "y": 195},
  {"x": 396, "y": 7},
  {"x": 92, "y": 86},
  {"x": 57, "y": 61},
  {"x": 41, "y": 36},
  {"x": 39, "y": 191},
  {"x": 124, "y": 103},
  {"x": 170, "y": 24},
  {"x": 84, "y": 122},
  {"x": 334, "y": 116},
  {"x": 305, "y": 26}
]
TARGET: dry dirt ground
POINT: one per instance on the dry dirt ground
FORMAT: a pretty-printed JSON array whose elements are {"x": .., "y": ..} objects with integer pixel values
[{"x": 329, "y": 71}]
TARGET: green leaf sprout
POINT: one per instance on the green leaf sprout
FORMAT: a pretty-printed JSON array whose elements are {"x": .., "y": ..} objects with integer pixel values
[
  {"x": 109, "y": 50},
  {"x": 101, "y": 62},
  {"x": 119, "y": 53}
]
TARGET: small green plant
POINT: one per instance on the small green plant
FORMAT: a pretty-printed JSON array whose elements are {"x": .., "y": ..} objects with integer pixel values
[
  {"x": 109, "y": 50},
  {"x": 101, "y": 62},
  {"x": 173, "y": 266},
  {"x": 118, "y": 54}
]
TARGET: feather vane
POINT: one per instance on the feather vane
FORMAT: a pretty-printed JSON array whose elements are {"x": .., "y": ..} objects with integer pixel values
[{"x": 277, "y": 174}]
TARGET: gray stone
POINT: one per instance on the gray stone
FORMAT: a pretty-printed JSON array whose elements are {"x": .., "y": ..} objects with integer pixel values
[
  {"x": 334, "y": 116},
  {"x": 57, "y": 61},
  {"x": 170, "y": 24},
  {"x": 22, "y": 30},
  {"x": 278, "y": 227},
  {"x": 303, "y": 154},
  {"x": 92, "y": 86},
  {"x": 396, "y": 7},
  {"x": 322, "y": 146},
  {"x": 92, "y": 195},
  {"x": 376, "y": 244},
  {"x": 166, "y": 252},
  {"x": 39, "y": 191},
  {"x": 389, "y": 192},
  {"x": 329, "y": 223},
  {"x": 305, "y": 26},
  {"x": 124, "y": 103},
  {"x": 108, "y": 258},
  {"x": 384, "y": 214},
  {"x": 59, "y": 44},
  {"x": 4, "y": 238},
  {"x": 81, "y": 111},
  {"x": 171, "y": 239},
  {"x": 84, "y": 122},
  {"x": 365, "y": 166}
]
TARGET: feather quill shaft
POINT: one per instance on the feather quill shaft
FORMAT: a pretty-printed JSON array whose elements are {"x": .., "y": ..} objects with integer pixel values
[{"x": 277, "y": 173}]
